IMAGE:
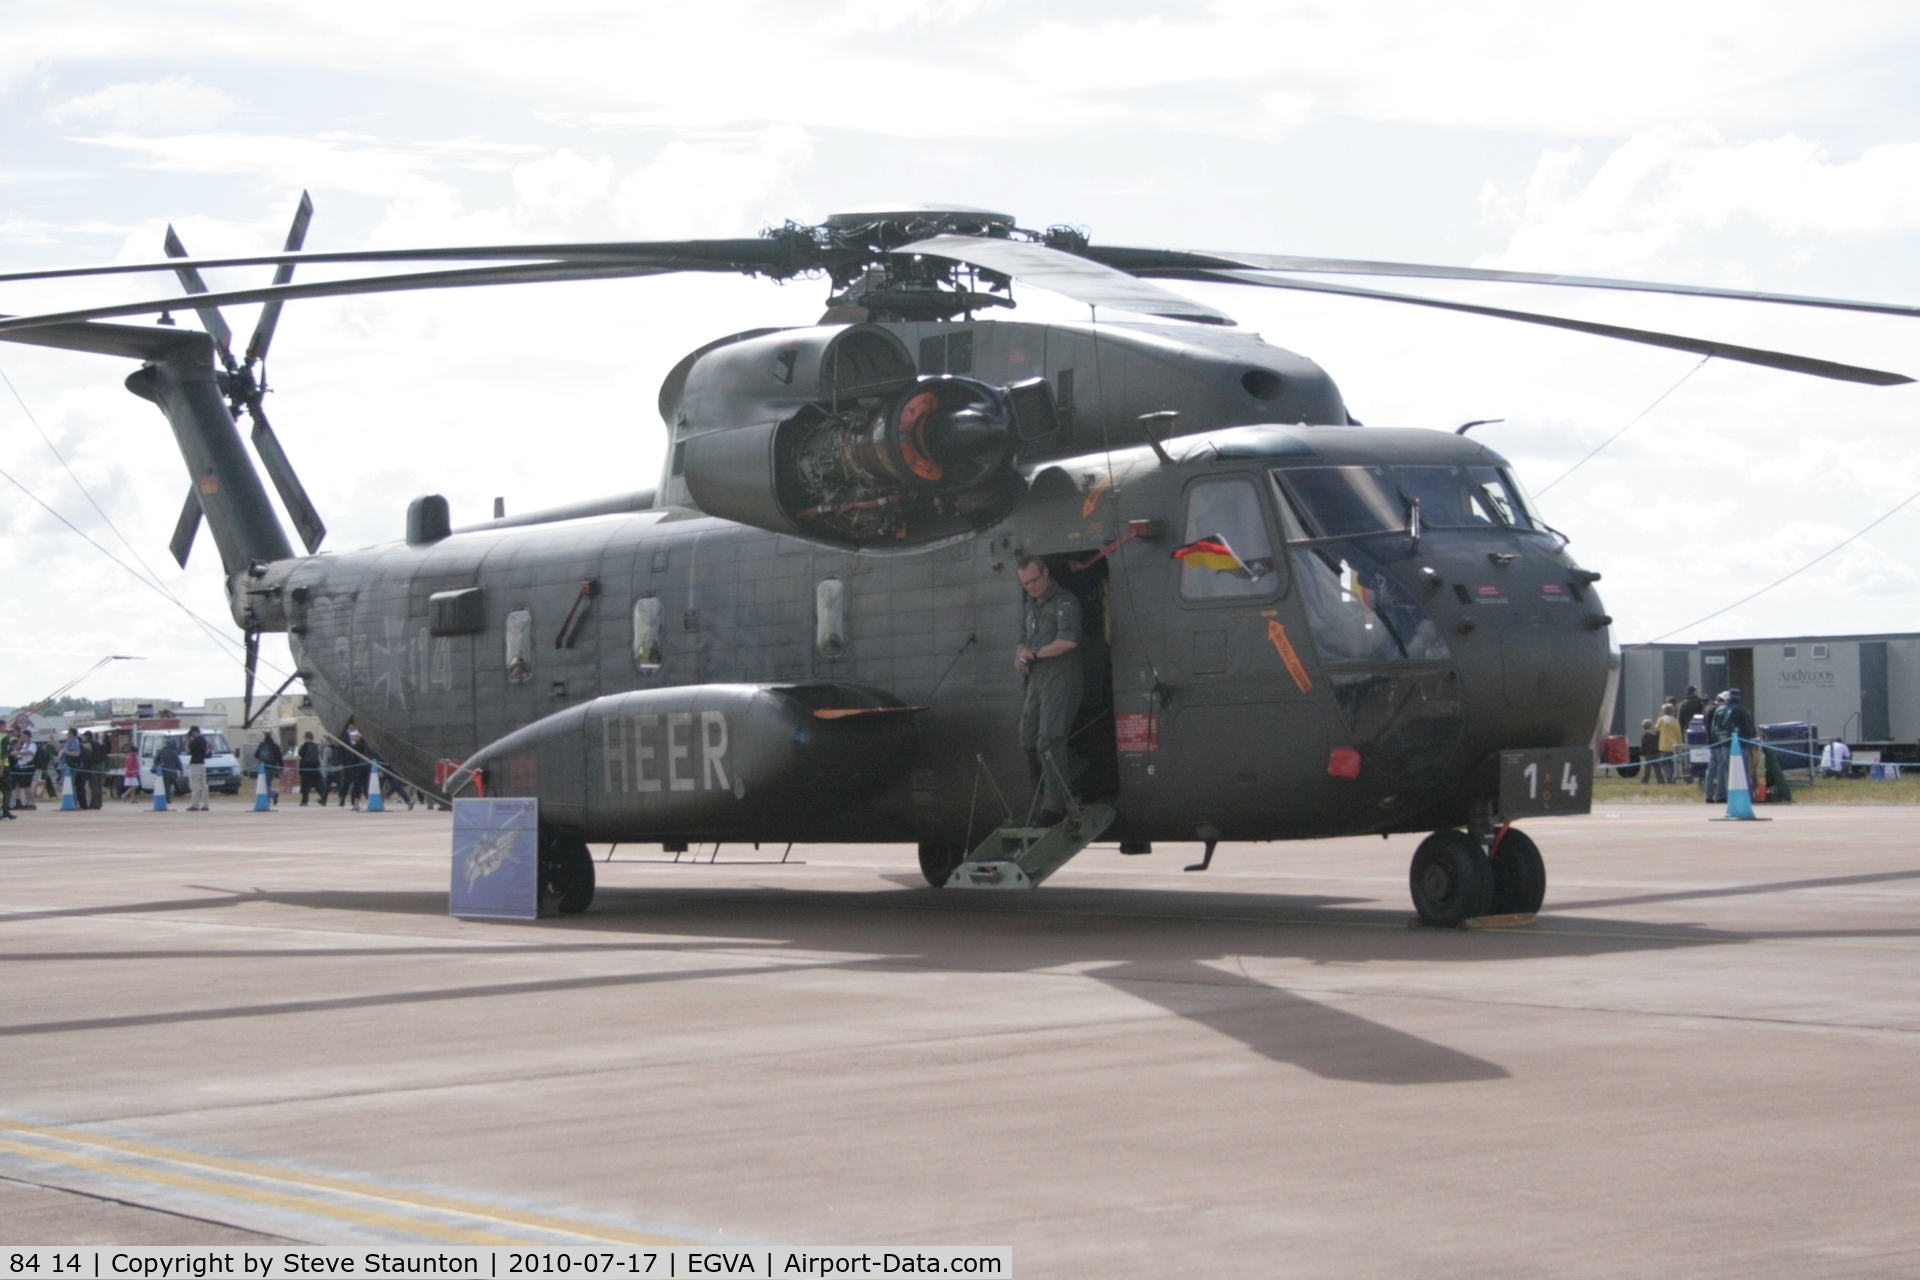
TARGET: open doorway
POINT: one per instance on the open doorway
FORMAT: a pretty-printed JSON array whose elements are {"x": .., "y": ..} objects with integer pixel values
[
  {"x": 1740, "y": 676},
  {"x": 1091, "y": 745}
]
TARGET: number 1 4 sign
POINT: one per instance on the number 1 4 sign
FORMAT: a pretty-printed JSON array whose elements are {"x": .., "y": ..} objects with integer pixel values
[{"x": 1546, "y": 780}]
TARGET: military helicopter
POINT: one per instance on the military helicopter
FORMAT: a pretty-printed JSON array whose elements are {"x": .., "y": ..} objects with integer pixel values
[{"x": 1296, "y": 627}]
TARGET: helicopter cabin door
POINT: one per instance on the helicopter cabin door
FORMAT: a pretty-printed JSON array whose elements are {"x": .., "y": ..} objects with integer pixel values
[{"x": 1235, "y": 731}]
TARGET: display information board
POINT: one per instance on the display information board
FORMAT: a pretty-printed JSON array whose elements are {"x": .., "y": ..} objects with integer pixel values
[{"x": 496, "y": 859}]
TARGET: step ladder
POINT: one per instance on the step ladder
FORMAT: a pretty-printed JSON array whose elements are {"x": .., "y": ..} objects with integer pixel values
[{"x": 1020, "y": 857}]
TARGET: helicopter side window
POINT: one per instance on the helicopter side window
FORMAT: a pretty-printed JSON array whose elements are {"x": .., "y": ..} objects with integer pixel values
[
  {"x": 1340, "y": 502},
  {"x": 1227, "y": 550},
  {"x": 520, "y": 646},
  {"x": 1450, "y": 499},
  {"x": 646, "y": 634},
  {"x": 830, "y": 617}
]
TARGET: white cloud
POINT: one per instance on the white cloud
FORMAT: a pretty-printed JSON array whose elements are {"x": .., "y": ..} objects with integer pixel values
[
  {"x": 717, "y": 186},
  {"x": 174, "y": 103},
  {"x": 1641, "y": 206}
]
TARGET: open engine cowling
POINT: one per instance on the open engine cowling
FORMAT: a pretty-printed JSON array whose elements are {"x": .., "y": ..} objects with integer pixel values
[{"x": 875, "y": 456}]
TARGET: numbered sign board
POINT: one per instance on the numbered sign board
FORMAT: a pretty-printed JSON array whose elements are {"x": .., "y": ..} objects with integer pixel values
[
  {"x": 496, "y": 859},
  {"x": 1546, "y": 780}
]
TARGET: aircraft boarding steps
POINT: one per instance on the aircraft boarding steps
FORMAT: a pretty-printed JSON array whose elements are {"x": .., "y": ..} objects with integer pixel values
[{"x": 1020, "y": 857}]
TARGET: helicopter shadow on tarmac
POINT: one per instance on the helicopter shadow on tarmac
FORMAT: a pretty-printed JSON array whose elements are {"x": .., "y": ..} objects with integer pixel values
[{"x": 1183, "y": 951}]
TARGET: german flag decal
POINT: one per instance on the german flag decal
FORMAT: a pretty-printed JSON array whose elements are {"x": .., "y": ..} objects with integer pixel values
[{"x": 1212, "y": 552}]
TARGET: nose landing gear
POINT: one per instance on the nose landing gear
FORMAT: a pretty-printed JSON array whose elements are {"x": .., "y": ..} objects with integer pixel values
[
  {"x": 1451, "y": 879},
  {"x": 1519, "y": 874},
  {"x": 1455, "y": 879}
]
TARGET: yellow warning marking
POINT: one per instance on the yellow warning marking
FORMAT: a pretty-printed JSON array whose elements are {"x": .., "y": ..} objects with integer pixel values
[
  {"x": 279, "y": 1200},
  {"x": 1284, "y": 647},
  {"x": 1093, "y": 498},
  {"x": 343, "y": 1186}
]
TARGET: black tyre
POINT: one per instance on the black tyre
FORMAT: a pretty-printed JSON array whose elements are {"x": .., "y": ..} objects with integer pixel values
[
  {"x": 1519, "y": 875},
  {"x": 566, "y": 873},
  {"x": 1451, "y": 879},
  {"x": 938, "y": 858}
]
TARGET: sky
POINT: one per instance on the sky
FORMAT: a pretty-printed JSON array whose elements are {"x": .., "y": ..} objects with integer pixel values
[{"x": 1721, "y": 143}]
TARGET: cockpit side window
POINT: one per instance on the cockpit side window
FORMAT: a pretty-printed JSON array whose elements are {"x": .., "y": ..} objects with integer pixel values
[
  {"x": 1340, "y": 502},
  {"x": 1227, "y": 551}
]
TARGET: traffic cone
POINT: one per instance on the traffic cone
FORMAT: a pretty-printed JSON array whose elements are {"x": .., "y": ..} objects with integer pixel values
[
  {"x": 262, "y": 797},
  {"x": 66, "y": 792},
  {"x": 1739, "y": 803},
  {"x": 159, "y": 791},
  {"x": 375, "y": 804}
]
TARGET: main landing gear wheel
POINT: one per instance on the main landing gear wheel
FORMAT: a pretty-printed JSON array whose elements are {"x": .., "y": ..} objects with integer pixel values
[
  {"x": 1519, "y": 875},
  {"x": 938, "y": 858},
  {"x": 566, "y": 873},
  {"x": 1451, "y": 879}
]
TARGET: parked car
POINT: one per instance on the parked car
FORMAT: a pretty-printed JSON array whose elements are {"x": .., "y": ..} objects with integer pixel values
[{"x": 223, "y": 767}]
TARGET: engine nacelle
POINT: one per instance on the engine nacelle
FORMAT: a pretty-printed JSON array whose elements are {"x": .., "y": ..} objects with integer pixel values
[
  {"x": 833, "y": 437},
  {"x": 705, "y": 761}
]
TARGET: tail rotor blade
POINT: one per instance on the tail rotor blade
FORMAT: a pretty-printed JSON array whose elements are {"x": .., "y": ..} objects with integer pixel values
[
  {"x": 188, "y": 526},
  {"x": 293, "y": 494},
  {"x": 270, "y": 313},
  {"x": 190, "y": 280}
]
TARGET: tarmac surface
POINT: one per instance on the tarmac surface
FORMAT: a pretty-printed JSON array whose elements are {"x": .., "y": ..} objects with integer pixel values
[{"x": 1701, "y": 1060}]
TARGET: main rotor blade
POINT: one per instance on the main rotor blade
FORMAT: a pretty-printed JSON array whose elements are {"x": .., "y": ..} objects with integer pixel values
[
  {"x": 467, "y": 278},
  {"x": 270, "y": 314},
  {"x": 286, "y": 482},
  {"x": 1075, "y": 277},
  {"x": 757, "y": 254},
  {"x": 1646, "y": 337},
  {"x": 190, "y": 280},
  {"x": 1173, "y": 263}
]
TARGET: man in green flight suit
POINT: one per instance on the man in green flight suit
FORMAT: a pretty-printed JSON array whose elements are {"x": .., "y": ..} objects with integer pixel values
[{"x": 1049, "y": 657}]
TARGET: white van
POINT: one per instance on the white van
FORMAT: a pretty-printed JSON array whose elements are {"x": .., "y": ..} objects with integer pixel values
[{"x": 223, "y": 767}]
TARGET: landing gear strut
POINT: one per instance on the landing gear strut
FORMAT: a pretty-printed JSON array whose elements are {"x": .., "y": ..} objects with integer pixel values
[{"x": 566, "y": 873}]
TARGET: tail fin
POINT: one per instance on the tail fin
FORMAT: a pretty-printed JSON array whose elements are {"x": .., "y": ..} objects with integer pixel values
[{"x": 179, "y": 377}]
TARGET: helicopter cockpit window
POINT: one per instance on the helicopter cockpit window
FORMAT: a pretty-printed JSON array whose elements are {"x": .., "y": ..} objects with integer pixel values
[
  {"x": 1359, "y": 613},
  {"x": 1227, "y": 551},
  {"x": 520, "y": 646},
  {"x": 646, "y": 634},
  {"x": 1339, "y": 502},
  {"x": 1497, "y": 487},
  {"x": 1450, "y": 499}
]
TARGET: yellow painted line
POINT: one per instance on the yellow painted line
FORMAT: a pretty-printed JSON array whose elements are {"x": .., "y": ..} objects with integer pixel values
[
  {"x": 343, "y": 1186},
  {"x": 279, "y": 1200}
]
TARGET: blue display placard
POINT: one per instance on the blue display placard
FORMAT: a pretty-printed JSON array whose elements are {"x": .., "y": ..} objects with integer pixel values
[{"x": 496, "y": 859}]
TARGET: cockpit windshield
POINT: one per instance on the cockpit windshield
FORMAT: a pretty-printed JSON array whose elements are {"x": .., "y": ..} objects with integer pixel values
[
  {"x": 1344, "y": 502},
  {"x": 1341, "y": 502}
]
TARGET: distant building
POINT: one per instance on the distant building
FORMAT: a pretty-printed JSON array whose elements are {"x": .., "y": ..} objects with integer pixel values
[
  {"x": 1864, "y": 688},
  {"x": 134, "y": 708},
  {"x": 288, "y": 717}
]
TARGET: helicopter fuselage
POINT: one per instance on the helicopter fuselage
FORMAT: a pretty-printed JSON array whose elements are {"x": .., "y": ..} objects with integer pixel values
[{"x": 1358, "y": 674}]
